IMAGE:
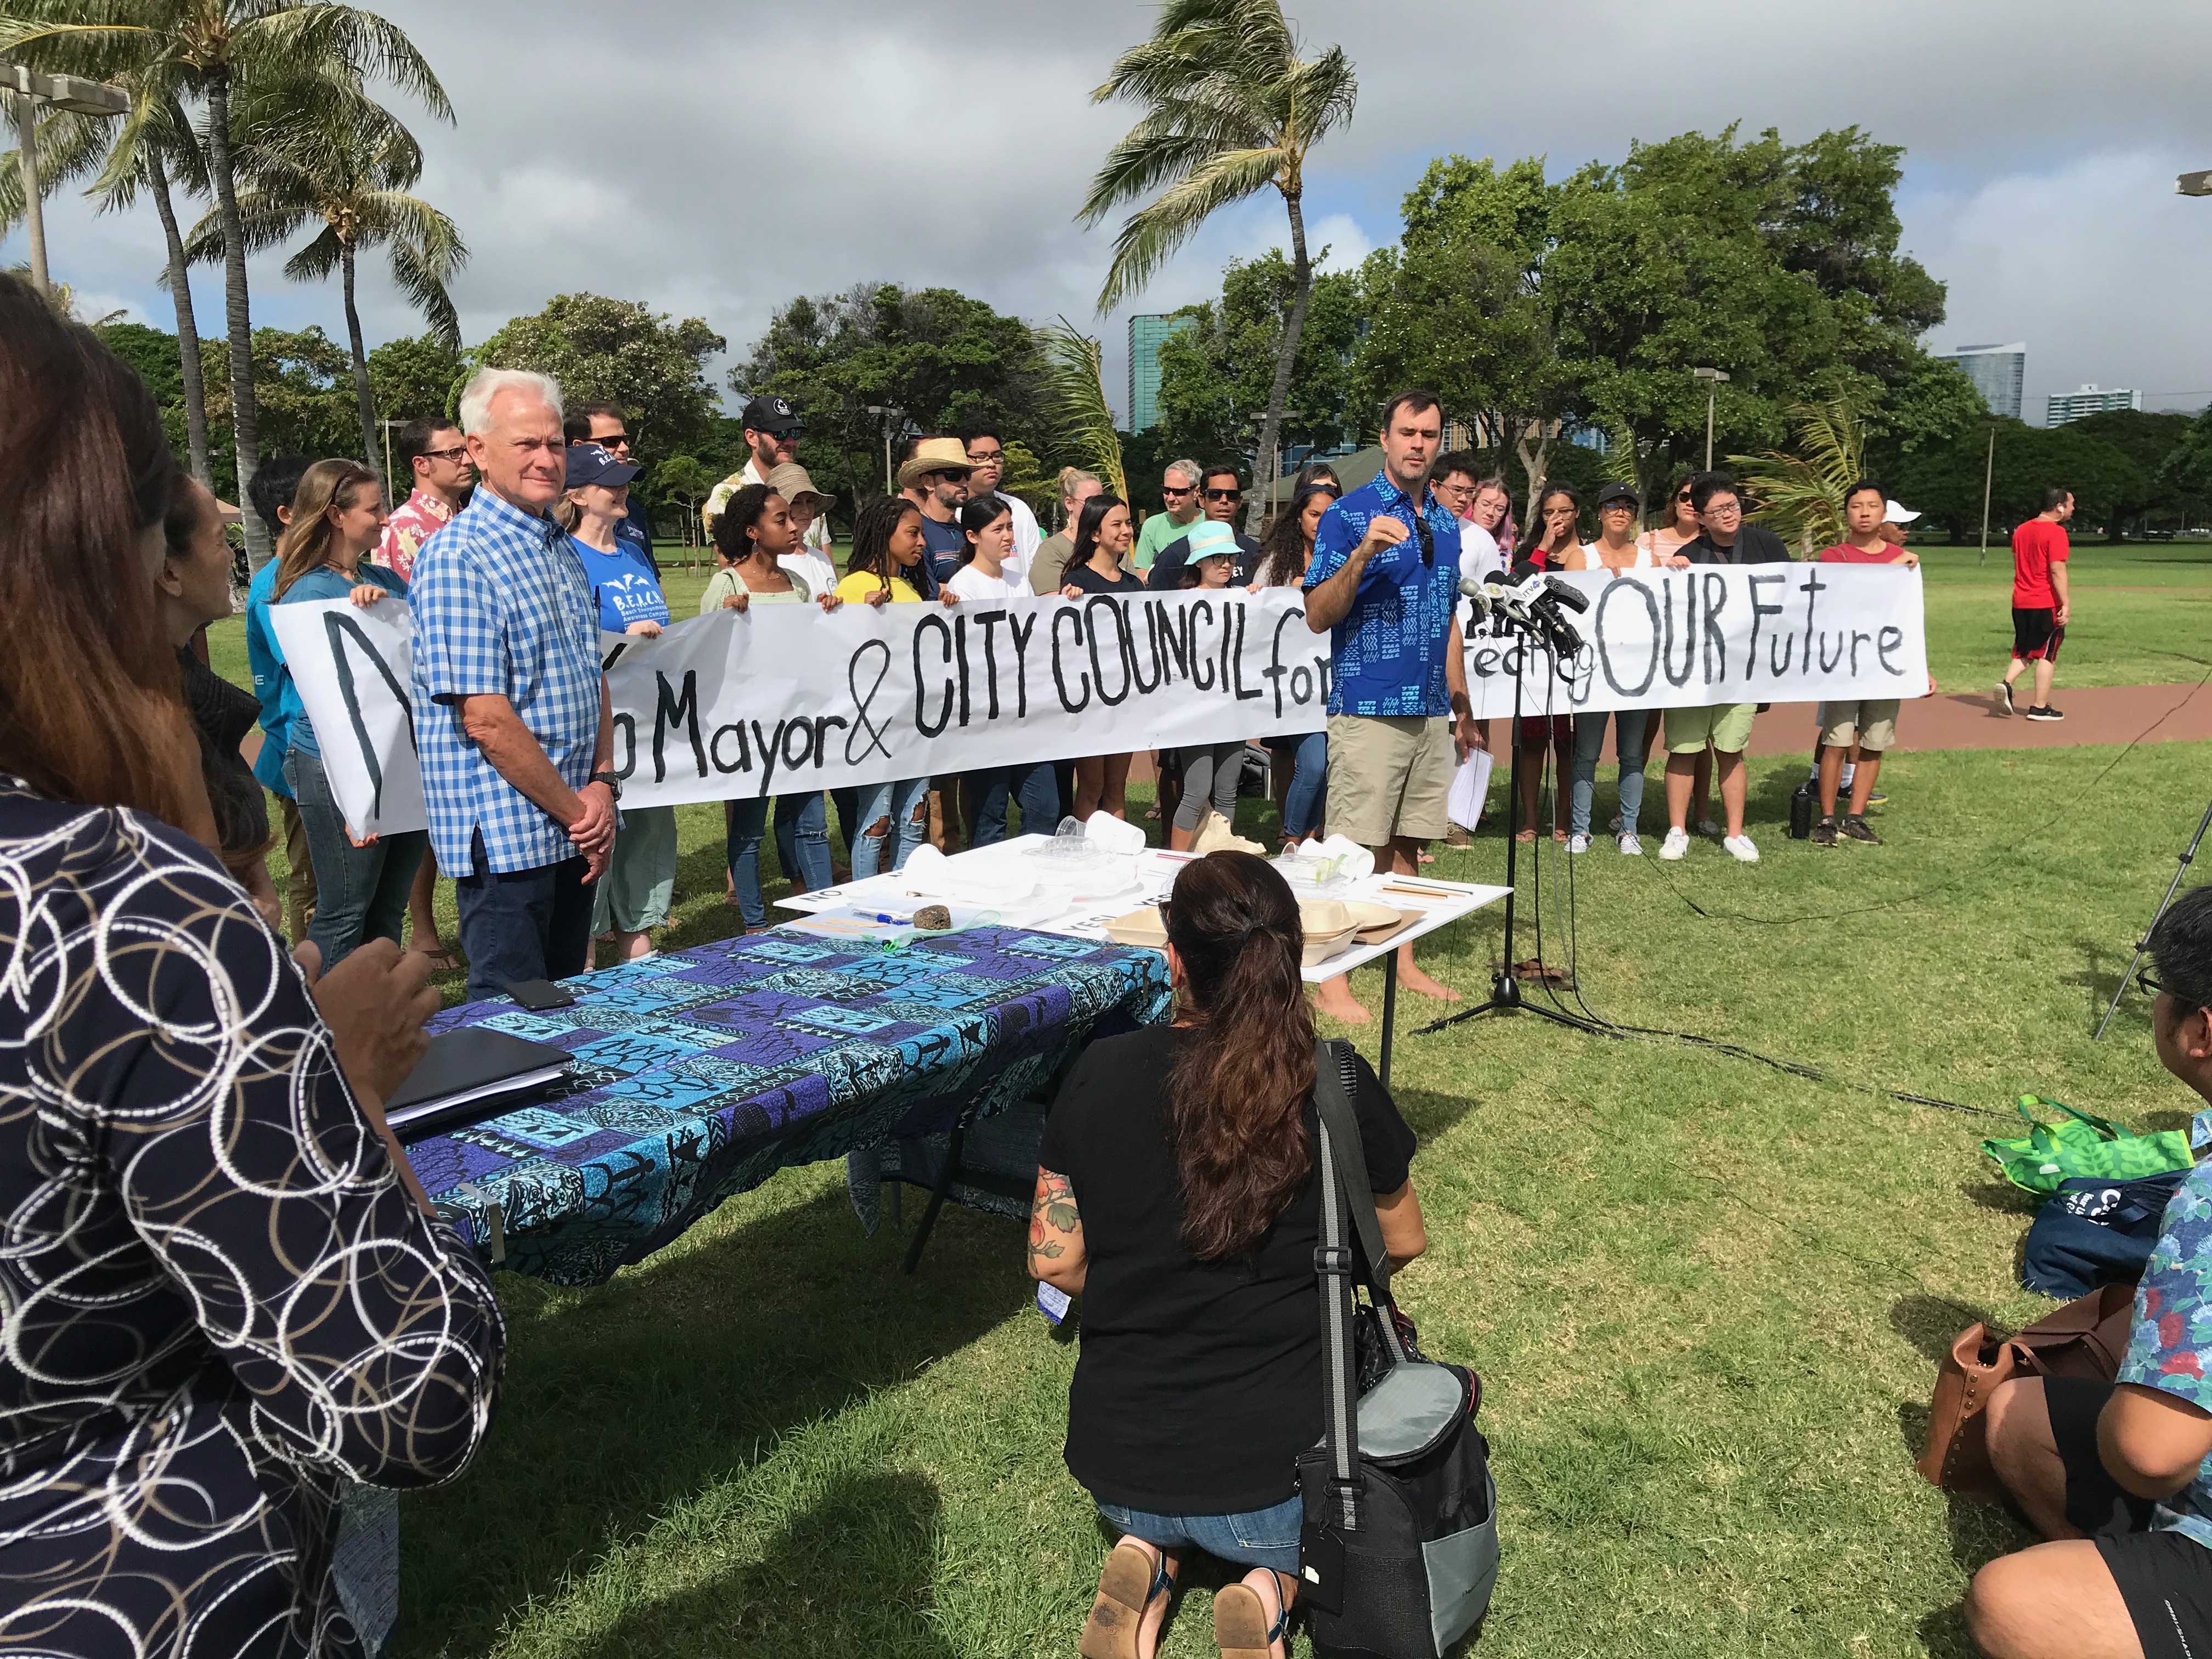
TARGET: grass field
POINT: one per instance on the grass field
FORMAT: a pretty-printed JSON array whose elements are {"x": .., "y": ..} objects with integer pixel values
[{"x": 1706, "y": 1296}]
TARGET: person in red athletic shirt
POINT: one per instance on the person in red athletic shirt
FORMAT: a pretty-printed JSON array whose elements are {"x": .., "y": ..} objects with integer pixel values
[{"x": 2040, "y": 606}]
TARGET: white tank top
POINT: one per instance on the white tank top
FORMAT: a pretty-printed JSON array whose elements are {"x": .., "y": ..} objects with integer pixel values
[{"x": 1643, "y": 559}]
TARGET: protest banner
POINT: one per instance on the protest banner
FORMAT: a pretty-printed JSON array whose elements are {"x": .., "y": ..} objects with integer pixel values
[
  {"x": 782, "y": 698},
  {"x": 1717, "y": 634}
]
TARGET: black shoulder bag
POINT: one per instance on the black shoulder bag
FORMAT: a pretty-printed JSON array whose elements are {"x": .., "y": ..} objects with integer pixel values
[{"x": 1399, "y": 1549}]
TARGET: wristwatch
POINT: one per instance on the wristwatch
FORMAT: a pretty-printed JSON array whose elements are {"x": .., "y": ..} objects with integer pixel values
[{"x": 612, "y": 782}]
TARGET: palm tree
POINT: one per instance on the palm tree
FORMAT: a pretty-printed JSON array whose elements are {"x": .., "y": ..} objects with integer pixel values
[
  {"x": 1074, "y": 386},
  {"x": 1801, "y": 497},
  {"x": 334, "y": 157},
  {"x": 71, "y": 145},
  {"x": 216, "y": 48},
  {"x": 1232, "y": 108}
]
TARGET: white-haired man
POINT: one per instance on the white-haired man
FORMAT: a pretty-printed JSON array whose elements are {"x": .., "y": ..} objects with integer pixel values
[
  {"x": 1179, "y": 490},
  {"x": 512, "y": 716}
]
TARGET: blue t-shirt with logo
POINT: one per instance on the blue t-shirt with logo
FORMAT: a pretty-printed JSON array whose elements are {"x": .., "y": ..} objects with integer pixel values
[
  {"x": 623, "y": 583},
  {"x": 1388, "y": 655}
]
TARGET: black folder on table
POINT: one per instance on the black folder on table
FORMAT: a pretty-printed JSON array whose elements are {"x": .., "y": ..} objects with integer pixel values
[{"x": 472, "y": 1072}]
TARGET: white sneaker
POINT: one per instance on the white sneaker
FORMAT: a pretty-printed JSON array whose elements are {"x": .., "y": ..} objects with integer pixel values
[
  {"x": 1676, "y": 844},
  {"x": 1579, "y": 843},
  {"x": 1630, "y": 846},
  {"x": 1709, "y": 829},
  {"x": 1740, "y": 847}
]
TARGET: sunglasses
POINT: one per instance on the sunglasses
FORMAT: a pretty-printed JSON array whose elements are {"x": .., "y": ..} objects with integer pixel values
[
  {"x": 1684, "y": 496},
  {"x": 1428, "y": 539},
  {"x": 1169, "y": 489},
  {"x": 1224, "y": 494},
  {"x": 613, "y": 441}
]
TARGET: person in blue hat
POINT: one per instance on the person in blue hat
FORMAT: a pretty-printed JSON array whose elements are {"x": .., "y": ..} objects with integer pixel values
[{"x": 632, "y": 897}]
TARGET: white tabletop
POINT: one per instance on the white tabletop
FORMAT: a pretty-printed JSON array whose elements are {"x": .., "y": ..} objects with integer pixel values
[{"x": 844, "y": 907}]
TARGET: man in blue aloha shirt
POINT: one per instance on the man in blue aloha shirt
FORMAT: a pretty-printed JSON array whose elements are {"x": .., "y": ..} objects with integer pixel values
[
  {"x": 1385, "y": 586},
  {"x": 2116, "y": 1475}
]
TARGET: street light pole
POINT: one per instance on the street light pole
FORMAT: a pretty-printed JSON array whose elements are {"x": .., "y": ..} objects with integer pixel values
[
  {"x": 1988, "y": 476},
  {"x": 886, "y": 412},
  {"x": 1714, "y": 379},
  {"x": 62, "y": 91}
]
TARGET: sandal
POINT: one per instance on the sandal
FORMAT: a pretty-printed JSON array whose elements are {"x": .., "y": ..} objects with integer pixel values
[
  {"x": 440, "y": 958},
  {"x": 1527, "y": 837},
  {"x": 1240, "y": 1629},
  {"x": 1130, "y": 1585}
]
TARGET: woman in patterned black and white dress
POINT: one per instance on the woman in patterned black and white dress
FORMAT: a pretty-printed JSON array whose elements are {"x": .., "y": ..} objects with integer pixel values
[{"x": 222, "y": 1292}]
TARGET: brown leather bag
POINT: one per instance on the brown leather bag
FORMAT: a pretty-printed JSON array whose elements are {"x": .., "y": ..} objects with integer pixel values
[{"x": 2087, "y": 1337}]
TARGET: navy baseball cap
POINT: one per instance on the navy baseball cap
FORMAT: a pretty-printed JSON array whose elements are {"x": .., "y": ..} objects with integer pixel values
[
  {"x": 771, "y": 415},
  {"x": 588, "y": 464}
]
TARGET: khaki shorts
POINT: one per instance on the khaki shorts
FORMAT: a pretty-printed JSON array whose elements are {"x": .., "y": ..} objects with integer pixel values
[
  {"x": 1390, "y": 776},
  {"x": 1872, "y": 724},
  {"x": 1726, "y": 725}
]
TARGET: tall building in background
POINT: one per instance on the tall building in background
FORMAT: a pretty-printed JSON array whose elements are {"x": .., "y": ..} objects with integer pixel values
[
  {"x": 2064, "y": 406},
  {"x": 1145, "y": 334},
  {"x": 1996, "y": 372}
]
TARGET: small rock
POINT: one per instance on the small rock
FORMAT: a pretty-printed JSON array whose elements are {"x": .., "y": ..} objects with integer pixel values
[{"x": 933, "y": 919}]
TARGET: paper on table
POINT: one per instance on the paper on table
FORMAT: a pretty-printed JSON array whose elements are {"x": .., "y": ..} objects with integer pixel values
[{"x": 1470, "y": 789}]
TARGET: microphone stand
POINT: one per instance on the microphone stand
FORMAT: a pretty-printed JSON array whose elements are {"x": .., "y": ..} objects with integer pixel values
[{"x": 1505, "y": 996}]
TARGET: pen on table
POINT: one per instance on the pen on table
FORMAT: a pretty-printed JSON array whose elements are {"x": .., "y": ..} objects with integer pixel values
[{"x": 894, "y": 919}]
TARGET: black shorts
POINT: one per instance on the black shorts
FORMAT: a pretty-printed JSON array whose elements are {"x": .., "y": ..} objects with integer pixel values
[
  {"x": 2165, "y": 1578},
  {"x": 2036, "y": 633}
]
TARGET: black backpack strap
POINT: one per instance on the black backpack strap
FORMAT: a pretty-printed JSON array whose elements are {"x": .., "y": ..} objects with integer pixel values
[
  {"x": 1332, "y": 1077},
  {"x": 1332, "y": 1260}
]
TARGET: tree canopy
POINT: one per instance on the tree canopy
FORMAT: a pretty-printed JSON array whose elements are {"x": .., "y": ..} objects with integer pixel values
[
  {"x": 621, "y": 352},
  {"x": 1216, "y": 375}
]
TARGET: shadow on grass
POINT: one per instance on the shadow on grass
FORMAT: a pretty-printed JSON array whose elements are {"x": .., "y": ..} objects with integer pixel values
[
  {"x": 877, "y": 1534},
  {"x": 1931, "y": 1324},
  {"x": 625, "y": 1402}
]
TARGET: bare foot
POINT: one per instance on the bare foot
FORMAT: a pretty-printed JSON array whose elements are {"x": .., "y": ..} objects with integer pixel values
[
  {"x": 1333, "y": 998},
  {"x": 1414, "y": 979}
]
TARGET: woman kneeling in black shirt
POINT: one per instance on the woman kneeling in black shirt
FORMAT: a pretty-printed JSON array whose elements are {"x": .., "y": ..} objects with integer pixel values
[{"x": 1175, "y": 1194}]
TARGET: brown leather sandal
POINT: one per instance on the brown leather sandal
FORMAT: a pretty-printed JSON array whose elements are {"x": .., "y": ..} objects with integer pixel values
[{"x": 1127, "y": 1588}]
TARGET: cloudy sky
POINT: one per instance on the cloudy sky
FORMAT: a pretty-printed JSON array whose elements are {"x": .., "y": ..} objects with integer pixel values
[{"x": 715, "y": 159}]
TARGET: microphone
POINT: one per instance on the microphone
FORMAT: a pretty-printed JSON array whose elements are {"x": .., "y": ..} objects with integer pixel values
[
  {"x": 1474, "y": 593},
  {"x": 1573, "y": 597},
  {"x": 1506, "y": 602}
]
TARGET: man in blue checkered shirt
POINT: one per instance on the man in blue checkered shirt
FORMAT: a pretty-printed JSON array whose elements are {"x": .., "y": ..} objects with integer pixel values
[
  {"x": 512, "y": 717},
  {"x": 1384, "y": 585}
]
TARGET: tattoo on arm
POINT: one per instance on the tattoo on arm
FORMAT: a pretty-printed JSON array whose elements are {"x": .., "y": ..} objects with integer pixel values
[{"x": 1053, "y": 1213}]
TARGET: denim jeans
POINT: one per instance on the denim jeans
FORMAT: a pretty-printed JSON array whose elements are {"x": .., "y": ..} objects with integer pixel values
[
  {"x": 1590, "y": 739},
  {"x": 1303, "y": 808},
  {"x": 361, "y": 892},
  {"x": 1035, "y": 787},
  {"x": 802, "y": 843},
  {"x": 1258, "y": 1538},
  {"x": 523, "y": 924},
  {"x": 896, "y": 802}
]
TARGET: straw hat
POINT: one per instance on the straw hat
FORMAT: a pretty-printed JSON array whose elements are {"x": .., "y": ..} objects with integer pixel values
[
  {"x": 791, "y": 480},
  {"x": 935, "y": 455}
]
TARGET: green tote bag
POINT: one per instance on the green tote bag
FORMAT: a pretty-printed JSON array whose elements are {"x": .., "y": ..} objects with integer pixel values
[{"x": 2082, "y": 1145}]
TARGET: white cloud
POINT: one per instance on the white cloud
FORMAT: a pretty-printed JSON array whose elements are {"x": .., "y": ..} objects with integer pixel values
[{"x": 716, "y": 159}]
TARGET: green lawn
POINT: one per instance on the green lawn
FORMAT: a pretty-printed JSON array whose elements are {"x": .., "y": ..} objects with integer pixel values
[{"x": 1706, "y": 1296}]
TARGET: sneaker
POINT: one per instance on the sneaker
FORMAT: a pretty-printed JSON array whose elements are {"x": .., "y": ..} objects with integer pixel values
[
  {"x": 1878, "y": 798},
  {"x": 1709, "y": 829},
  {"x": 1676, "y": 844},
  {"x": 1579, "y": 843},
  {"x": 1460, "y": 836},
  {"x": 1612, "y": 824},
  {"x": 1630, "y": 846},
  {"x": 2045, "y": 713},
  {"x": 1740, "y": 848},
  {"x": 1824, "y": 832},
  {"x": 1856, "y": 827},
  {"x": 2004, "y": 699}
]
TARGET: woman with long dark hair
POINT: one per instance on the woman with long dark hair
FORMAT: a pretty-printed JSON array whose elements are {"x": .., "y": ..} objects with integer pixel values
[
  {"x": 224, "y": 1295},
  {"x": 1302, "y": 762},
  {"x": 889, "y": 820},
  {"x": 1175, "y": 1194},
  {"x": 1102, "y": 534},
  {"x": 361, "y": 886}
]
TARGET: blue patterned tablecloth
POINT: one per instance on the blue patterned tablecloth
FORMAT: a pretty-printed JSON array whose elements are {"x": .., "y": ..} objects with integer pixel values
[{"x": 700, "y": 1073}]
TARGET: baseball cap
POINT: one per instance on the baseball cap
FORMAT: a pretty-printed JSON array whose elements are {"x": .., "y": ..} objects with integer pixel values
[
  {"x": 771, "y": 415},
  {"x": 1618, "y": 492},
  {"x": 588, "y": 464},
  {"x": 1896, "y": 512}
]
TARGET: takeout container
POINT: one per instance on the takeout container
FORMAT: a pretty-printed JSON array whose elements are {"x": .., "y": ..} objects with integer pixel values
[{"x": 1330, "y": 926}]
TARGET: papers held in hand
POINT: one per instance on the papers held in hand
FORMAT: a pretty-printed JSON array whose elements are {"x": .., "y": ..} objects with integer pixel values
[{"x": 471, "y": 1073}]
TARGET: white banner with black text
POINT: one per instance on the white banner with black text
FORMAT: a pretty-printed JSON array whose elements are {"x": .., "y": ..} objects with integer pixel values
[{"x": 784, "y": 698}]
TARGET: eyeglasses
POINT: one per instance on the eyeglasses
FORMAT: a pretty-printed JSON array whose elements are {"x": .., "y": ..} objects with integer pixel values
[
  {"x": 454, "y": 456},
  {"x": 1224, "y": 494},
  {"x": 2151, "y": 987},
  {"x": 985, "y": 457},
  {"x": 1722, "y": 509}
]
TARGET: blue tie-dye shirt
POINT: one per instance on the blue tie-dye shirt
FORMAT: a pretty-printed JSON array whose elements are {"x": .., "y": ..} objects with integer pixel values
[{"x": 1389, "y": 652}]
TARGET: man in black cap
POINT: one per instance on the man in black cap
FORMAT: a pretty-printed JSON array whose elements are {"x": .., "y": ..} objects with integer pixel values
[{"x": 772, "y": 430}]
